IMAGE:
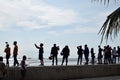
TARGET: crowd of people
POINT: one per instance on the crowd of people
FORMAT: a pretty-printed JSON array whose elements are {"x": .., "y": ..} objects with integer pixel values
[
  {"x": 106, "y": 55},
  {"x": 15, "y": 54}
]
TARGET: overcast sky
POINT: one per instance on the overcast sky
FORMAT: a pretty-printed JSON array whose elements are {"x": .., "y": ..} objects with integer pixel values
[{"x": 64, "y": 22}]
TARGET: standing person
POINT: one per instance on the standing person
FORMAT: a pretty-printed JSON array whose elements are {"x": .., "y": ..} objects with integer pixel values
[
  {"x": 86, "y": 53},
  {"x": 23, "y": 67},
  {"x": 100, "y": 56},
  {"x": 80, "y": 54},
  {"x": 114, "y": 54},
  {"x": 15, "y": 53},
  {"x": 2, "y": 68},
  {"x": 118, "y": 51},
  {"x": 105, "y": 55},
  {"x": 65, "y": 52},
  {"x": 7, "y": 51},
  {"x": 54, "y": 53},
  {"x": 41, "y": 51},
  {"x": 109, "y": 51},
  {"x": 92, "y": 56}
]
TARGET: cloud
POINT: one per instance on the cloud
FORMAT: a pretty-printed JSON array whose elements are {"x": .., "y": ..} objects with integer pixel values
[
  {"x": 34, "y": 14},
  {"x": 75, "y": 30},
  {"x": 80, "y": 30},
  {"x": 86, "y": 25}
]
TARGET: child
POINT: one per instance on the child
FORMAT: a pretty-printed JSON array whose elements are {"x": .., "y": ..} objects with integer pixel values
[
  {"x": 23, "y": 67},
  {"x": 2, "y": 68}
]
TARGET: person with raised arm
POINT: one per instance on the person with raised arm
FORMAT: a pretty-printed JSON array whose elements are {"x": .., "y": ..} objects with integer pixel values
[{"x": 41, "y": 51}]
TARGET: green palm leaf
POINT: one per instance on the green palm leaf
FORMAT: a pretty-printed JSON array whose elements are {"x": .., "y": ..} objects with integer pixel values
[
  {"x": 111, "y": 25},
  {"x": 105, "y": 1}
]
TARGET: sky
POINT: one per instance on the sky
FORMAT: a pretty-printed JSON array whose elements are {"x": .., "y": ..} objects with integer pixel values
[{"x": 63, "y": 22}]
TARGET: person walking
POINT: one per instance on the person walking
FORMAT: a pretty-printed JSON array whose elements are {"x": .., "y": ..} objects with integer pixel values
[
  {"x": 65, "y": 53},
  {"x": 15, "y": 53},
  {"x": 41, "y": 51},
  {"x": 54, "y": 53},
  {"x": 80, "y": 54},
  {"x": 7, "y": 51}
]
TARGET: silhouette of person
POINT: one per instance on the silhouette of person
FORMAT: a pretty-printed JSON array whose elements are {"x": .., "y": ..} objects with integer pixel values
[
  {"x": 105, "y": 55},
  {"x": 7, "y": 51},
  {"x": 109, "y": 52},
  {"x": 65, "y": 53},
  {"x": 23, "y": 67},
  {"x": 118, "y": 51},
  {"x": 114, "y": 54},
  {"x": 100, "y": 56},
  {"x": 86, "y": 54},
  {"x": 15, "y": 53},
  {"x": 92, "y": 56},
  {"x": 41, "y": 51},
  {"x": 80, "y": 54},
  {"x": 2, "y": 68},
  {"x": 54, "y": 53}
]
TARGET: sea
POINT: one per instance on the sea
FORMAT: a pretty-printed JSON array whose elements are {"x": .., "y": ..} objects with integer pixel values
[{"x": 47, "y": 62}]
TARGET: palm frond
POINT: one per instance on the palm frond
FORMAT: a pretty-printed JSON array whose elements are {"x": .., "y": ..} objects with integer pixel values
[
  {"x": 111, "y": 25},
  {"x": 105, "y": 1}
]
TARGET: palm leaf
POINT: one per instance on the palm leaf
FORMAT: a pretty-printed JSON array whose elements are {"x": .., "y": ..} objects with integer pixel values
[
  {"x": 105, "y": 1},
  {"x": 111, "y": 25}
]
